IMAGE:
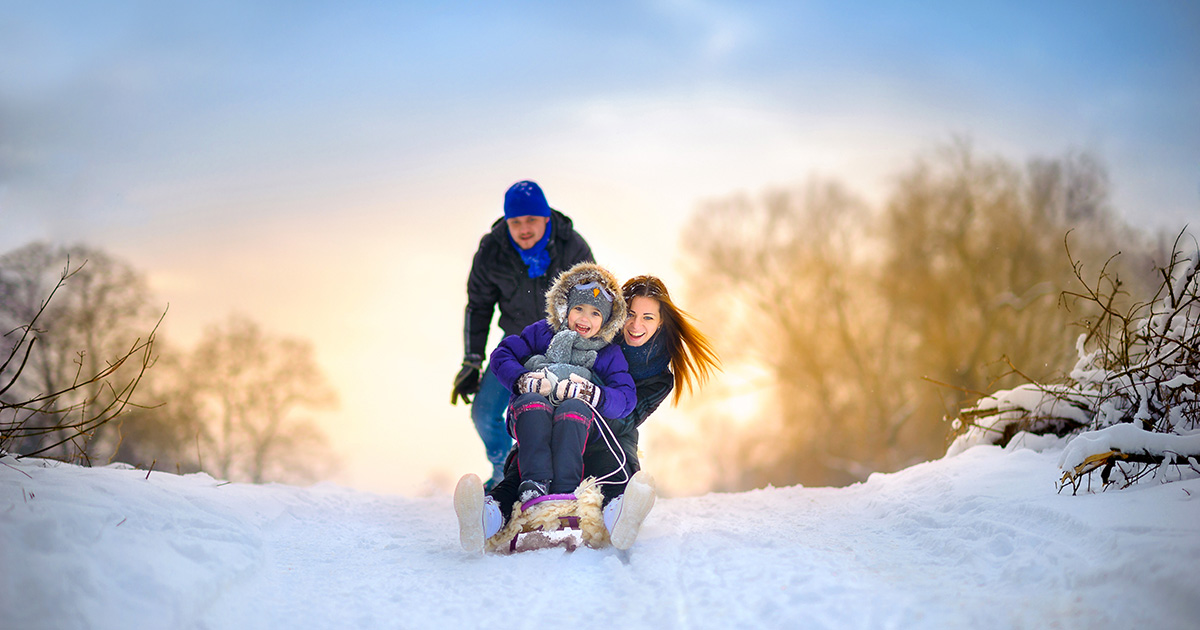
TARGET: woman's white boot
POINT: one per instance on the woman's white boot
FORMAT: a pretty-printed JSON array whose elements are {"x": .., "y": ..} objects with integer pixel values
[
  {"x": 623, "y": 515},
  {"x": 468, "y": 505}
]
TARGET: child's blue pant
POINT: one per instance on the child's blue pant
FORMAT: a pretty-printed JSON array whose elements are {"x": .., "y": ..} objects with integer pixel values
[{"x": 551, "y": 439}]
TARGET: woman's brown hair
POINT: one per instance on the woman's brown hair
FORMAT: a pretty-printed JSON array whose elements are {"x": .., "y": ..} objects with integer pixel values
[{"x": 693, "y": 359}]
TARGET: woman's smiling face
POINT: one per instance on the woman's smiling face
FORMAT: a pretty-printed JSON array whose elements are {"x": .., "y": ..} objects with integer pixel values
[{"x": 643, "y": 321}]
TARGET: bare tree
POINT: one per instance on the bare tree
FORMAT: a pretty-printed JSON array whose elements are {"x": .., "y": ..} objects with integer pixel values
[
  {"x": 250, "y": 388},
  {"x": 165, "y": 433},
  {"x": 976, "y": 264},
  {"x": 103, "y": 304},
  {"x": 875, "y": 325},
  {"x": 791, "y": 280},
  {"x": 60, "y": 417}
]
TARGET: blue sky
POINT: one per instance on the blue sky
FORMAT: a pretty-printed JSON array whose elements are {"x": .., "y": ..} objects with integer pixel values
[
  {"x": 322, "y": 167},
  {"x": 112, "y": 100}
]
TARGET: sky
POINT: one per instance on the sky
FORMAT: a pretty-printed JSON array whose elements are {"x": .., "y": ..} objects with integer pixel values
[{"x": 328, "y": 168}]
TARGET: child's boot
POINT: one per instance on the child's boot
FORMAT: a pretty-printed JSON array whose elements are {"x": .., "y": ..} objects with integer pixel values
[{"x": 531, "y": 489}]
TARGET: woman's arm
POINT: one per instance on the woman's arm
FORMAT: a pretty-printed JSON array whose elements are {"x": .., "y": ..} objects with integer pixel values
[
  {"x": 651, "y": 391},
  {"x": 618, "y": 394}
]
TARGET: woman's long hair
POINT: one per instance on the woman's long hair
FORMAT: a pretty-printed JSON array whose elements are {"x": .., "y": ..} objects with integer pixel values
[{"x": 693, "y": 359}]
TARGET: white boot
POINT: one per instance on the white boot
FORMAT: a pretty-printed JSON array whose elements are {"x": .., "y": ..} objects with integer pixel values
[
  {"x": 492, "y": 519},
  {"x": 479, "y": 516},
  {"x": 468, "y": 505},
  {"x": 623, "y": 515}
]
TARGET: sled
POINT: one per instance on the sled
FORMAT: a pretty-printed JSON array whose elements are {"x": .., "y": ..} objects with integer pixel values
[{"x": 555, "y": 520}]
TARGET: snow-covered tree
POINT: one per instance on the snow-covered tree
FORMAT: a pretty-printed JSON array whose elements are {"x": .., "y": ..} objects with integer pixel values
[{"x": 1130, "y": 406}]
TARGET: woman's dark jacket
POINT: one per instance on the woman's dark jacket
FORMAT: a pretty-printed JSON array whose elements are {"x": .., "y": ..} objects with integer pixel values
[{"x": 651, "y": 391}]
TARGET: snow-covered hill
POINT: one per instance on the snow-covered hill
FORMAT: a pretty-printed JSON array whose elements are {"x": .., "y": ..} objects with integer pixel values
[{"x": 980, "y": 540}]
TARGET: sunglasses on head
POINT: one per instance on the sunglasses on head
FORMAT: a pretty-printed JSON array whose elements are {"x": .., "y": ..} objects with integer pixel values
[
  {"x": 596, "y": 288},
  {"x": 645, "y": 285}
]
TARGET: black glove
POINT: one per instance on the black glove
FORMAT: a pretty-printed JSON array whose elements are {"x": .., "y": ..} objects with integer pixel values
[{"x": 466, "y": 384}]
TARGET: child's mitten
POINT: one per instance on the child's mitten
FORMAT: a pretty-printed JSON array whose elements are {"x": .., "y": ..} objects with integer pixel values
[
  {"x": 539, "y": 382},
  {"x": 577, "y": 387}
]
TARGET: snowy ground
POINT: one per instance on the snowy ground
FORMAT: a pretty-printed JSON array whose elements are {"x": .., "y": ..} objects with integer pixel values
[{"x": 980, "y": 540}]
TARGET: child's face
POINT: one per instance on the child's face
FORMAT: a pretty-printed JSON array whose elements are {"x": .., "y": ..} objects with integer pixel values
[{"x": 585, "y": 319}]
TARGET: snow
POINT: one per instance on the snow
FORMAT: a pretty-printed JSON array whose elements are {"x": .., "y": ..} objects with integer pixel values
[
  {"x": 979, "y": 540},
  {"x": 1127, "y": 438},
  {"x": 1013, "y": 405},
  {"x": 1182, "y": 380}
]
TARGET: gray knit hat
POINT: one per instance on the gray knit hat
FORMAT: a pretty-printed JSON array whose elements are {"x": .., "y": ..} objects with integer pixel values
[
  {"x": 589, "y": 276},
  {"x": 592, "y": 293}
]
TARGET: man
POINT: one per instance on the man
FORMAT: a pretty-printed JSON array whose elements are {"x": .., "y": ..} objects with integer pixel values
[{"x": 515, "y": 265}]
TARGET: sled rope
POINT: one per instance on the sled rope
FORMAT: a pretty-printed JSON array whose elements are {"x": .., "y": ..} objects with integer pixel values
[{"x": 614, "y": 447}]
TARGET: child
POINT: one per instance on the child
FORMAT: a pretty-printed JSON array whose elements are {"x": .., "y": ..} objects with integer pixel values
[{"x": 563, "y": 372}]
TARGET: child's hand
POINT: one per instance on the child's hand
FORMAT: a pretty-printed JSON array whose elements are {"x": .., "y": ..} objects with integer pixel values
[
  {"x": 577, "y": 387},
  {"x": 539, "y": 382}
]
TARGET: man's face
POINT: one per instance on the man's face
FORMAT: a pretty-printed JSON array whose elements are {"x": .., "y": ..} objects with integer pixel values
[{"x": 527, "y": 230}]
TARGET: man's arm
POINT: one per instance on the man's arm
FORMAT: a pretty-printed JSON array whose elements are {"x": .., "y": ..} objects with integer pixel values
[{"x": 482, "y": 296}]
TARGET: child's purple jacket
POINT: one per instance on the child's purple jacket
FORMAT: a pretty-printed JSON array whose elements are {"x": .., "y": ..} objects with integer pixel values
[{"x": 618, "y": 394}]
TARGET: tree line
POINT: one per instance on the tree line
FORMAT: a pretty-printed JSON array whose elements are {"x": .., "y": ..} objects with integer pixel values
[
  {"x": 87, "y": 378},
  {"x": 870, "y": 326}
]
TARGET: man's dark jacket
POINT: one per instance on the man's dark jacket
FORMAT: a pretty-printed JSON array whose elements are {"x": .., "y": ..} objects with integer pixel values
[{"x": 500, "y": 278}]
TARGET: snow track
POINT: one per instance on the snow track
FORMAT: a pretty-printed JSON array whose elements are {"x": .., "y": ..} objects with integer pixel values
[{"x": 981, "y": 540}]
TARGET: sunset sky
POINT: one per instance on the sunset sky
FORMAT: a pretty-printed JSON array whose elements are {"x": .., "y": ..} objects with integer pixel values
[{"x": 328, "y": 168}]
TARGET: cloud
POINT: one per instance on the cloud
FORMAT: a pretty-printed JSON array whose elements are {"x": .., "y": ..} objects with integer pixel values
[{"x": 723, "y": 30}]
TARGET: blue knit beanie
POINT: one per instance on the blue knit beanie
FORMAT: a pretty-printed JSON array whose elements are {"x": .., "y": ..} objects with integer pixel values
[{"x": 525, "y": 199}]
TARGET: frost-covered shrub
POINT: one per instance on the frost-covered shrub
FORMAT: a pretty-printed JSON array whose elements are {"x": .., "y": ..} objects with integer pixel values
[{"x": 1131, "y": 404}]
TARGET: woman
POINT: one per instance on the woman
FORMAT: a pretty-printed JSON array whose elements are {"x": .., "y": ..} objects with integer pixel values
[{"x": 665, "y": 352}]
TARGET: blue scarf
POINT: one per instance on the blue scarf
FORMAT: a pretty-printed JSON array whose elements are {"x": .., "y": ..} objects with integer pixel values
[
  {"x": 648, "y": 359},
  {"x": 536, "y": 258}
]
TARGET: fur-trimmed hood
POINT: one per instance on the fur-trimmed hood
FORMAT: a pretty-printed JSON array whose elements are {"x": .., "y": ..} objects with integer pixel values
[{"x": 583, "y": 273}]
